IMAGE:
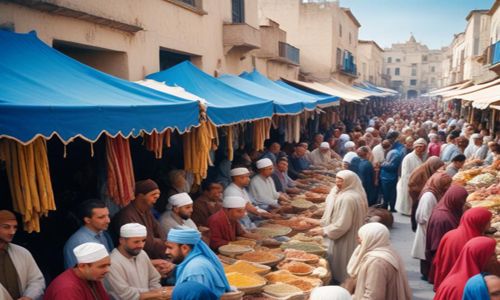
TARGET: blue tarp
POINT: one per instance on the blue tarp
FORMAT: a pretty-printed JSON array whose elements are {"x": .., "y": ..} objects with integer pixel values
[
  {"x": 310, "y": 100},
  {"x": 283, "y": 104},
  {"x": 44, "y": 92},
  {"x": 321, "y": 99},
  {"x": 226, "y": 105}
]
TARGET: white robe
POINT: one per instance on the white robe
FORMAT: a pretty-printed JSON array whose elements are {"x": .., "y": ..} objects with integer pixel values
[
  {"x": 425, "y": 206},
  {"x": 319, "y": 159},
  {"x": 30, "y": 278},
  {"x": 129, "y": 277},
  {"x": 403, "y": 200},
  {"x": 264, "y": 191},
  {"x": 169, "y": 220},
  {"x": 378, "y": 154}
]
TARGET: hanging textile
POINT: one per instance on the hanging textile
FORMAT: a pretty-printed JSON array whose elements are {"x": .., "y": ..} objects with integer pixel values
[
  {"x": 155, "y": 141},
  {"x": 29, "y": 180},
  {"x": 230, "y": 143},
  {"x": 121, "y": 181},
  {"x": 261, "y": 132},
  {"x": 197, "y": 145}
]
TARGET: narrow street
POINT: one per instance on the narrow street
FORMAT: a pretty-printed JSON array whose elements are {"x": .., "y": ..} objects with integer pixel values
[{"x": 402, "y": 240}]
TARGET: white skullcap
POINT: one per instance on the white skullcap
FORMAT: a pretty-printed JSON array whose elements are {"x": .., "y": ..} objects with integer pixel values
[
  {"x": 324, "y": 145},
  {"x": 239, "y": 171},
  {"x": 349, "y": 156},
  {"x": 264, "y": 163},
  {"x": 475, "y": 136},
  {"x": 330, "y": 292},
  {"x": 420, "y": 141},
  {"x": 349, "y": 144},
  {"x": 370, "y": 129},
  {"x": 90, "y": 252},
  {"x": 180, "y": 199},
  {"x": 344, "y": 137},
  {"x": 133, "y": 230},
  {"x": 234, "y": 202},
  {"x": 432, "y": 135},
  {"x": 390, "y": 120}
]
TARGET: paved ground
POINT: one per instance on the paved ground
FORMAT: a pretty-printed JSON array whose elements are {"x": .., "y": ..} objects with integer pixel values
[{"x": 402, "y": 240}]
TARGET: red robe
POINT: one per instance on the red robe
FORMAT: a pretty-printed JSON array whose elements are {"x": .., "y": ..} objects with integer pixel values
[
  {"x": 68, "y": 286},
  {"x": 222, "y": 230}
]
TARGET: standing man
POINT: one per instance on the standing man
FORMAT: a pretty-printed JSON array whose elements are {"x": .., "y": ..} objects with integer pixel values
[
  {"x": 262, "y": 186},
  {"x": 389, "y": 174},
  {"x": 20, "y": 277},
  {"x": 366, "y": 174},
  {"x": 83, "y": 281},
  {"x": 195, "y": 261},
  {"x": 95, "y": 217},
  {"x": 179, "y": 216},
  {"x": 451, "y": 150},
  {"x": 132, "y": 276},
  {"x": 225, "y": 226}
]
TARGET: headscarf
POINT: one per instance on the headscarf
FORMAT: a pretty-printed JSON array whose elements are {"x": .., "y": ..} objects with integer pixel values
[
  {"x": 352, "y": 187},
  {"x": 476, "y": 288},
  {"x": 471, "y": 261},
  {"x": 437, "y": 185},
  {"x": 331, "y": 292},
  {"x": 193, "y": 237},
  {"x": 444, "y": 218},
  {"x": 375, "y": 244},
  {"x": 472, "y": 224},
  {"x": 192, "y": 290},
  {"x": 421, "y": 174}
]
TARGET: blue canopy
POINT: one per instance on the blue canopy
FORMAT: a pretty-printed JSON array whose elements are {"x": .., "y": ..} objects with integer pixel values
[
  {"x": 283, "y": 104},
  {"x": 310, "y": 100},
  {"x": 226, "y": 105},
  {"x": 322, "y": 99},
  {"x": 44, "y": 92}
]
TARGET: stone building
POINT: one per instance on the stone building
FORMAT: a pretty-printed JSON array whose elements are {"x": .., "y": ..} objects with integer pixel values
[{"x": 370, "y": 62}]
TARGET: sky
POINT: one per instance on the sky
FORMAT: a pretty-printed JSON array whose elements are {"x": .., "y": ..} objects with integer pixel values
[{"x": 432, "y": 22}]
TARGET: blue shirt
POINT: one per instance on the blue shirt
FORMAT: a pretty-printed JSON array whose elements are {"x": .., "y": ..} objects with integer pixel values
[
  {"x": 390, "y": 167},
  {"x": 81, "y": 236},
  {"x": 449, "y": 153}
]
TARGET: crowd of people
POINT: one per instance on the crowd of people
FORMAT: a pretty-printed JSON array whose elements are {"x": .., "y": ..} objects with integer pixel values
[{"x": 400, "y": 158}]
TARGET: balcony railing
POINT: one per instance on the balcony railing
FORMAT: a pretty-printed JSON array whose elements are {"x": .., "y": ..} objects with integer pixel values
[
  {"x": 289, "y": 52},
  {"x": 348, "y": 69},
  {"x": 495, "y": 53}
]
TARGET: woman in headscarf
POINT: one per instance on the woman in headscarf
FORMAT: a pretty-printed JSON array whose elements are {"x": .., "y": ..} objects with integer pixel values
[
  {"x": 330, "y": 292},
  {"x": 432, "y": 192},
  {"x": 476, "y": 287},
  {"x": 471, "y": 261},
  {"x": 445, "y": 217},
  {"x": 417, "y": 181},
  {"x": 346, "y": 209},
  {"x": 473, "y": 223},
  {"x": 378, "y": 269}
]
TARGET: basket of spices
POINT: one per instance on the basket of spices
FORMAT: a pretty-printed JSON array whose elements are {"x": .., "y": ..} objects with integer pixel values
[
  {"x": 262, "y": 257},
  {"x": 233, "y": 250},
  {"x": 296, "y": 268},
  {"x": 246, "y": 267},
  {"x": 283, "y": 290},
  {"x": 246, "y": 283}
]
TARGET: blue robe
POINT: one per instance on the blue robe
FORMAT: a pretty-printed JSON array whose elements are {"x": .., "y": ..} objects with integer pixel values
[
  {"x": 364, "y": 169},
  {"x": 476, "y": 288}
]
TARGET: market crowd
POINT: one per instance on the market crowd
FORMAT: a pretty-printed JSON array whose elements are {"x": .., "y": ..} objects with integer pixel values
[{"x": 403, "y": 158}]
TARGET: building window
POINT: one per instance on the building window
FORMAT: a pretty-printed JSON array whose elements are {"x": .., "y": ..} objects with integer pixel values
[
  {"x": 398, "y": 60},
  {"x": 413, "y": 72},
  {"x": 350, "y": 38},
  {"x": 433, "y": 80},
  {"x": 396, "y": 71},
  {"x": 389, "y": 59},
  {"x": 388, "y": 72},
  {"x": 413, "y": 82},
  {"x": 433, "y": 69},
  {"x": 339, "y": 57},
  {"x": 340, "y": 30},
  {"x": 424, "y": 58},
  {"x": 189, "y": 2},
  {"x": 238, "y": 11}
]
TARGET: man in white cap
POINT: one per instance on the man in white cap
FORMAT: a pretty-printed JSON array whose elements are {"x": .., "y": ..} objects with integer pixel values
[
  {"x": 350, "y": 148},
  {"x": 195, "y": 261},
  {"x": 20, "y": 277},
  {"x": 179, "y": 214},
  {"x": 225, "y": 226},
  {"x": 240, "y": 180},
  {"x": 321, "y": 156},
  {"x": 83, "y": 282},
  {"x": 132, "y": 276},
  {"x": 410, "y": 162},
  {"x": 262, "y": 186}
]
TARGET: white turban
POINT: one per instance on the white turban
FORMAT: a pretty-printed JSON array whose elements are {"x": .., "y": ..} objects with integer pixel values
[
  {"x": 133, "y": 230},
  {"x": 420, "y": 141},
  {"x": 475, "y": 136},
  {"x": 90, "y": 252},
  {"x": 234, "y": 202},
  {"x": 390, "y": 120},
  {"x": 370, "y": 129},
  {"x": 324, "y": 145},
  {"x": 344, "y": 137},
  {"x": 330, "y": 292},
  {"x": 180, "y": 199},
  {"x": 264, "y": 163},
  {"x": 349, "y": 156},
  {"x": 349, "y": 144},
  {"x": 239, "y": 171}
]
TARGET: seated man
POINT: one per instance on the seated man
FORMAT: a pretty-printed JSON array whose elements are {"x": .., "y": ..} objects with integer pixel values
[
  {"x": 322, "y": 156},
  {"x": 20, "y": 277},
  {"x": 132, "y": 275},
  {"x": 298, "y": 161},
  {"x": 83, "y": 282},
  {"x": 225, "y": 226},
  {"x": 195, "y": 261},
  {"x": 272, "y": 152},
  {"x": 95, "y": 217},
  {"x": 282, "y": 181},
  {"x": 208, "y": 203},
  {"x": 262, "y": 186},
  {"x": 179, "y": 214}
]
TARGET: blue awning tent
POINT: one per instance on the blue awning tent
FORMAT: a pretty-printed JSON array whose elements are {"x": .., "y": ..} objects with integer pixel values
[
  {"x": 45, "y": 93},
  {"x": 310, "y": 100},
  {"x": 283, "y": 104},
  {"x": 324, "y": 100},
  {"x": 225, "y": 105}
]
